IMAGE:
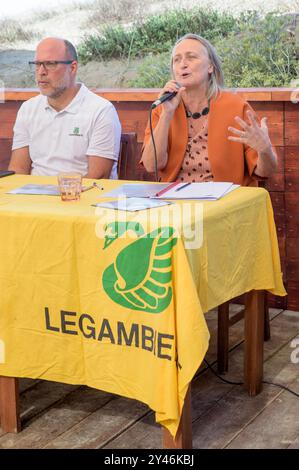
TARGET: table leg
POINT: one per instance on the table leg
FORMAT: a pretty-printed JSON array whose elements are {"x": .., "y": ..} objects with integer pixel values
[
  {"x": 9, "y": 404},
  {"x": 183, "y": 438},
  {"x": 223, "y": 338},
  {"x": 254, "y": 341}
]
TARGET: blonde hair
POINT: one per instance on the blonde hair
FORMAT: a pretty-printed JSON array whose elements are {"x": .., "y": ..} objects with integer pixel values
[{"x": 216, "y": 79}]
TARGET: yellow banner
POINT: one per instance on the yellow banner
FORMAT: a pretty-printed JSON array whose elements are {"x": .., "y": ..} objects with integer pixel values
[
  {"x": 116, "y": 300},
  {"x": 88, "y": 299}
]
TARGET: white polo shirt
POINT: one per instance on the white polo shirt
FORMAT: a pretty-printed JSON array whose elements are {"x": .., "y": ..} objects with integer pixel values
[{"x": 60, "y": 141}]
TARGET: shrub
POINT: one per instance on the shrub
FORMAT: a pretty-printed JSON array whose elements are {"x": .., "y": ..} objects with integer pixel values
[
  {"x": 113, "y": 43},
  {"x": 258, "y": 52},
  {"x": 261, "y": 53},
  {"x": 153, "y": 72},
  {"x": 156, "y": 34}
]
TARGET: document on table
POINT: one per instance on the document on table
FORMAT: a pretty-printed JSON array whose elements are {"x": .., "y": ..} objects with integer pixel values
[
  {"x": 132, "y": 204},
  {"x": 206, "y": 191},
  {"x": 43, "y": 189}
]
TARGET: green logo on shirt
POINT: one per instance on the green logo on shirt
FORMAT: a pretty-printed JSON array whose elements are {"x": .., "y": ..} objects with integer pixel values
[{"x": 76, "y": 132}]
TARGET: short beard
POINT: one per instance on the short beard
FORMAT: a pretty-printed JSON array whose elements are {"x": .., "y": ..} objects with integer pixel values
[{"x": 56, "y": 93}]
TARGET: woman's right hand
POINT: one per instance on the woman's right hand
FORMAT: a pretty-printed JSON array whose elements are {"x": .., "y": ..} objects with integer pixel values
[{"x": 170, "y": 106}]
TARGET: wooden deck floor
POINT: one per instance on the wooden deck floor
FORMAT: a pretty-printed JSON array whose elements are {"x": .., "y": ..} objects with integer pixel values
[{"x": 56, "y": 415}]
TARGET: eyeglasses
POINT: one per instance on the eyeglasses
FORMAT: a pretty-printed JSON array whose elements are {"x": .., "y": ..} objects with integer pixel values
[{"x": 49, "y": 65}]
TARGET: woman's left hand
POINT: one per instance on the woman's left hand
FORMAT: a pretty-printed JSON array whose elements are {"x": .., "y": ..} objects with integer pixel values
[{"x": 253, "y": 134}]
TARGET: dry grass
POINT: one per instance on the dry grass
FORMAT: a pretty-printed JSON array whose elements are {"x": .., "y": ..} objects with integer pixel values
[
  {"x": 43, "y": 15},
  {"x": 12, "y": 31},
  {"x": 103, "y": 12}
]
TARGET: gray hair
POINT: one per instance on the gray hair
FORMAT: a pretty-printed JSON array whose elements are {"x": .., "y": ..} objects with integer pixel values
[
  {"x": 216, "y": 80},
  {"x": 70, "y": 50}
]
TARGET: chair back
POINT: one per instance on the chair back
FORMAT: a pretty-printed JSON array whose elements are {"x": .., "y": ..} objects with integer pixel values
[{"x": 127, "y": 158}]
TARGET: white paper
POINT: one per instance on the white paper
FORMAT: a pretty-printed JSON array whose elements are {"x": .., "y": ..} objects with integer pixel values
[
  {"x": 43, "y": 189},
  {"x": 132, "y": 204},
  {"x": 205, "y": 191},
  {"x": 47, "y": 189}
]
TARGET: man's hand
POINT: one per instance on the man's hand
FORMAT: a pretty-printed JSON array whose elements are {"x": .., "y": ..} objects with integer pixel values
[
  {"x": 20, "y": 161},
  {"x": 99, "y": 167}
]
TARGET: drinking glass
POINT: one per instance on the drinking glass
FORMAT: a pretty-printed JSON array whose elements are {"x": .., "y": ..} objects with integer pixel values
[{"x": 70, "y": 185}]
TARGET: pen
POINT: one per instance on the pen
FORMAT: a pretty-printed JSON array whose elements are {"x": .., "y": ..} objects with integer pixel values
[
  {"x": 165, "y": 190},
  {"x": 181, "y": 187},
  {"x": 86, "y": 188},
  {"x": 95, "y": 185}
]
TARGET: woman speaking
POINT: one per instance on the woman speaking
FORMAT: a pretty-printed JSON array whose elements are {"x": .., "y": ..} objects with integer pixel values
[{"x": 205, "y": 133}]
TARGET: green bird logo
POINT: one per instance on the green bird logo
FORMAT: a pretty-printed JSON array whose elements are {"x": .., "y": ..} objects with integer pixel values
[{"x": 140, "y": 277}]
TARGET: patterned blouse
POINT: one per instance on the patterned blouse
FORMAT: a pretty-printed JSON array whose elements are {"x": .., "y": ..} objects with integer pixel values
[{"x": 196, "y": 166}]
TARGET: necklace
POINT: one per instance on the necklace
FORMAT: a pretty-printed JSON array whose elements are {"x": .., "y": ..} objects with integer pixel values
[{"x": 204, "y": 112}]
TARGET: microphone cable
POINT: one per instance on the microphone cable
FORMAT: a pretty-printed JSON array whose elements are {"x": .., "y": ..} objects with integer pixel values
[
  {"x": 219, "y": 376},
  {"x": 230, "y": 382},
  {"x": 154, "y": 146},
  {"x": 165, "y": 97}
]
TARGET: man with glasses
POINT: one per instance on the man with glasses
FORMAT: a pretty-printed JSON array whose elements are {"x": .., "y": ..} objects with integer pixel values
[{"x": 66, "y": 127}]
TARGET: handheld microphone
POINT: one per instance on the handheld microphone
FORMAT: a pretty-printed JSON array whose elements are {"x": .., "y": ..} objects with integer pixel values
[{"x": 165, "y": 97}]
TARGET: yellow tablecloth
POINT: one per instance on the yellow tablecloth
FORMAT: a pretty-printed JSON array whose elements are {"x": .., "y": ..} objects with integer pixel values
[{"x": 108, "y": 299}]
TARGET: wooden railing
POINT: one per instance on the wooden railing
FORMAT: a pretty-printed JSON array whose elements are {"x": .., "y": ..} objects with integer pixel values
[{"x": 283, "y": 121}]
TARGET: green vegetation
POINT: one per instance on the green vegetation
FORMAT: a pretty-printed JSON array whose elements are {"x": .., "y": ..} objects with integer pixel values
[
  {"x": 255, "y": 50},
  {"x": 262, "y": 53},
  {"x": 155, "y": 35},
  {"x": 153, "y": 72}
]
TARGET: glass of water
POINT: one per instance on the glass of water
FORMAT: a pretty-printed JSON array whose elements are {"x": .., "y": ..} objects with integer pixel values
[{"x": 70, "y": 185}]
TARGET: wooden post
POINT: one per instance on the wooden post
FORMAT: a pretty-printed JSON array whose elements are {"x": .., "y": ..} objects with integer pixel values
[
  {"x": 223, "y": 338},
  {"x": 254, "y": 341},
  {"x": 183, "y": 438},
  {"x": 267, "y": 332},
  {"x": 9, "y": 404}
]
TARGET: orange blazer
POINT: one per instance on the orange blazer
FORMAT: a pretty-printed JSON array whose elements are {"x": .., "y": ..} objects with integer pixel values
[{"x": 230, "y": 161}]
